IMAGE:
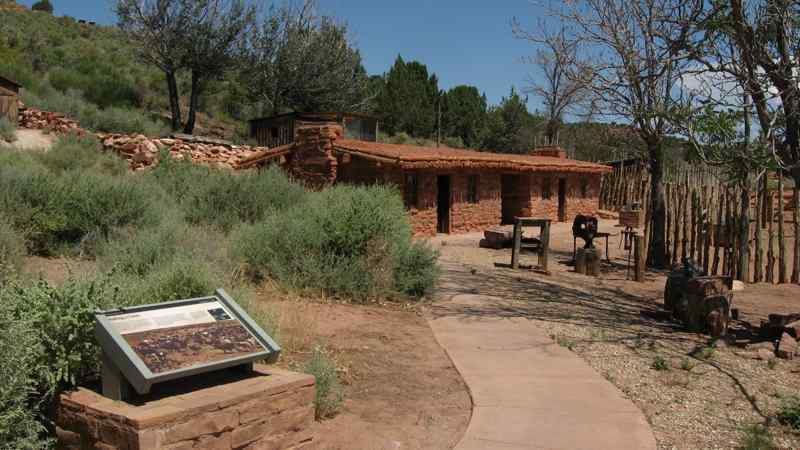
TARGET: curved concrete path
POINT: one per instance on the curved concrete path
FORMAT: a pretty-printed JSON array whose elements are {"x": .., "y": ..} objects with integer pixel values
[{"x": 527, "y": 391}]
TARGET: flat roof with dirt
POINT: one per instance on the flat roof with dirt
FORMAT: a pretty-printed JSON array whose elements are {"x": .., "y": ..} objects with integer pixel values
[{"x": 416, "y": 157}]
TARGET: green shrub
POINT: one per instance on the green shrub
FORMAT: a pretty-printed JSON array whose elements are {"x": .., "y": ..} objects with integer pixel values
[
  {"x": 21, "y": 425},
  {"x": 77, "y": 206},
  {"x": 756, "y": 437},
  {"x": 12, "y": 248},
  {"x": 789, "y": 414},
  {"x": 348, "y": 241},
  {"x": 660, "y": 364},
  {"x": 64, "y": 321},
  {"x": 225, "y": 200},
  {"x": 177, "y": 279},
  {"x": 416, "y": 270},
  {"x": 116, "y": 119},
  {"x": 43, "y": 5},
  {"x": 329, "y": 393},
  {"x": 8, "y": 132},
  {"x": 72, "y": 152}
]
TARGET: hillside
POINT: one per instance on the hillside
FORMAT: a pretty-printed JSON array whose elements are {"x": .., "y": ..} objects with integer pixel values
[{"x": 90, "y": 73}]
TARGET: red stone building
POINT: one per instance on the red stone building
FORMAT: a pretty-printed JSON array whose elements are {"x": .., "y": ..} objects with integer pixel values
[{"x": 449, "y": 190}]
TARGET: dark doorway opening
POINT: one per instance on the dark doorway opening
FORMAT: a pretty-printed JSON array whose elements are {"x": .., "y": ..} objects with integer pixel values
[
  {"x": 443, "y": 204},
  {"x": 562, "y": 200}
]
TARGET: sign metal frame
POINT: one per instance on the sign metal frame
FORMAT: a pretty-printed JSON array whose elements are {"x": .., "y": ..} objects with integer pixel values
[{"x": 123, "y": 368}]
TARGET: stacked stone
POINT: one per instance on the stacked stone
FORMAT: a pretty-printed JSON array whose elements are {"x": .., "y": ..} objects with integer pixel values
[
  {"x": 313, "y": 160},
  {"x": 142, "y": 152},
  {"x": 42, "y": 120}
]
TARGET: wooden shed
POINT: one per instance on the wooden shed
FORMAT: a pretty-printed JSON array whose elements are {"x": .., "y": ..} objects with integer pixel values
[
  {"x": 9, "y": 94},
  {"x": 275, "y": 131}
]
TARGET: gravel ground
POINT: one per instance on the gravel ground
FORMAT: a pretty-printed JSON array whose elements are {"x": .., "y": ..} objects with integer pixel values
[{"x": 704, "y": 395}]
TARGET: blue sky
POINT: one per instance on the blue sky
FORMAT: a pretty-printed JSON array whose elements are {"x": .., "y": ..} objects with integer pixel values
[{"x": 462, "y": 41}]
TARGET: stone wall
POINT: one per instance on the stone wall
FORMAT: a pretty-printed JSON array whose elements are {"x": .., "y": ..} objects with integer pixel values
[
  {"x": 312, "y": 159},
  {"x": 274, "y": 410},
  {"x": 576, "y": 202}
]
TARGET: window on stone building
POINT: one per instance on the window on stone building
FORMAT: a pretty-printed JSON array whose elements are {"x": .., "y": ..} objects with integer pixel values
[
  {"x": 410, "y": 188},
  {"x": 584, "y": 188},
  {"x": 546, "y": 183},
  {"x": 472, "y": 189}
]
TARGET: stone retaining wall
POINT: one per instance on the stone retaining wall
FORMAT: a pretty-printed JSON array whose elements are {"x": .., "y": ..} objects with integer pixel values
[{"x": 273, "y": 410}]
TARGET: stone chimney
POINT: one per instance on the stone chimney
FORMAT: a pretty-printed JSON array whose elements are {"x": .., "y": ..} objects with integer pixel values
[{"x": 553, "y": 151}]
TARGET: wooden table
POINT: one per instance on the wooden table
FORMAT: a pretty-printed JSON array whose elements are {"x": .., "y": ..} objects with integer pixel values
[{"x": 540, "y": 246}]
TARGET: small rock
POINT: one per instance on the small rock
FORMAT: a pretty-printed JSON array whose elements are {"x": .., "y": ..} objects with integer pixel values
[
  {"x": 787, "y": 347},
  {"x": 149, "y": 146},
  {"x": 737, "y": 285}
]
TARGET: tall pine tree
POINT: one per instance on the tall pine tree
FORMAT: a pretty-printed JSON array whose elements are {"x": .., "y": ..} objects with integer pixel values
[{"x": 408, "y": 101}]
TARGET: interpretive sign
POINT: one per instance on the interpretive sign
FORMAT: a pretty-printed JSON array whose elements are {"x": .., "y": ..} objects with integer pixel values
[{"x": 159, "y": 342}]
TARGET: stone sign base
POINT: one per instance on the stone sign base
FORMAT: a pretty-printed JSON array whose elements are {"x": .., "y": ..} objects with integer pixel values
[{"x": 265, "y": 409}]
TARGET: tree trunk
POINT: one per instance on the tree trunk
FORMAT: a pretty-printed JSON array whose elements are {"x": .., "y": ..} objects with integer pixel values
[
  {"x": 659, "y": 214},
  {"x": 193, "y": 99},
  {"x": 174, "y": 101}
]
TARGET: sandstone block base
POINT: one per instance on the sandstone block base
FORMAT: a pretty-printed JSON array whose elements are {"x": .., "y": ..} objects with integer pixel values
[{"x": 266, "y": 409}]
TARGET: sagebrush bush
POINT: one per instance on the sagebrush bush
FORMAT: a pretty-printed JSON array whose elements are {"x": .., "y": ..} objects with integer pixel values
[
  {"x": 348, "y": 241},
  {"x": 756, "y": 437},
  {"x": 226, "y": 200},
  {"x": 55, "y": 207},
  {"x": 789, "y": 413},
  {"x": 71, "y": 152},
  {"x": 21, "y": 424},
  {"x": 109, "y": 119},
  {"x": 329, "y": 392},
  {"x": 12, "y": 248},
  {"x": 8, "y": 132},
  {"x": 64, "y": 322}
]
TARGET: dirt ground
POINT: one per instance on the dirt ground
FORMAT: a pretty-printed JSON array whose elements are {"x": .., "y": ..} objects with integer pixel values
[
  {"x": 707, "y": 395},
  {"x": 401, "y": 389},
  {"x": 30, "y": 140}
]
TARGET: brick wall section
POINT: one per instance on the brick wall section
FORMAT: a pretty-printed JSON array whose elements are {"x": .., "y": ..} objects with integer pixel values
[
  {"x": 576, "y": 203},
  {"x": 271, "y": 411}
]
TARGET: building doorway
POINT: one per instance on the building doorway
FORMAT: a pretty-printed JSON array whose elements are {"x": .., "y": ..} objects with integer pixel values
[
  {"x": 562, "y": 199},
  {"x": 443, "y": 204}
]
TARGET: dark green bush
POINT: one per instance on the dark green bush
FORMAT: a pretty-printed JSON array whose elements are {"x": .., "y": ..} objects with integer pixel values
[
  {"x": 21, "y": 425},
  {"x": 348, "y": 241},
  {"x": 43, "y": 5},
  {"x": 789, "y": 413}
]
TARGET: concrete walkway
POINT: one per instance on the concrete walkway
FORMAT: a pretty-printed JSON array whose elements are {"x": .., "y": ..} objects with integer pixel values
[{"x": 528, "y": 392}]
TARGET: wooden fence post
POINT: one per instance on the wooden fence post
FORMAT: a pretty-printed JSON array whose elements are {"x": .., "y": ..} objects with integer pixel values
[
  {"x": 796, "y": 219},
  {"x": 781, "y": 237},
  {"x": 639, "y": 256}
]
